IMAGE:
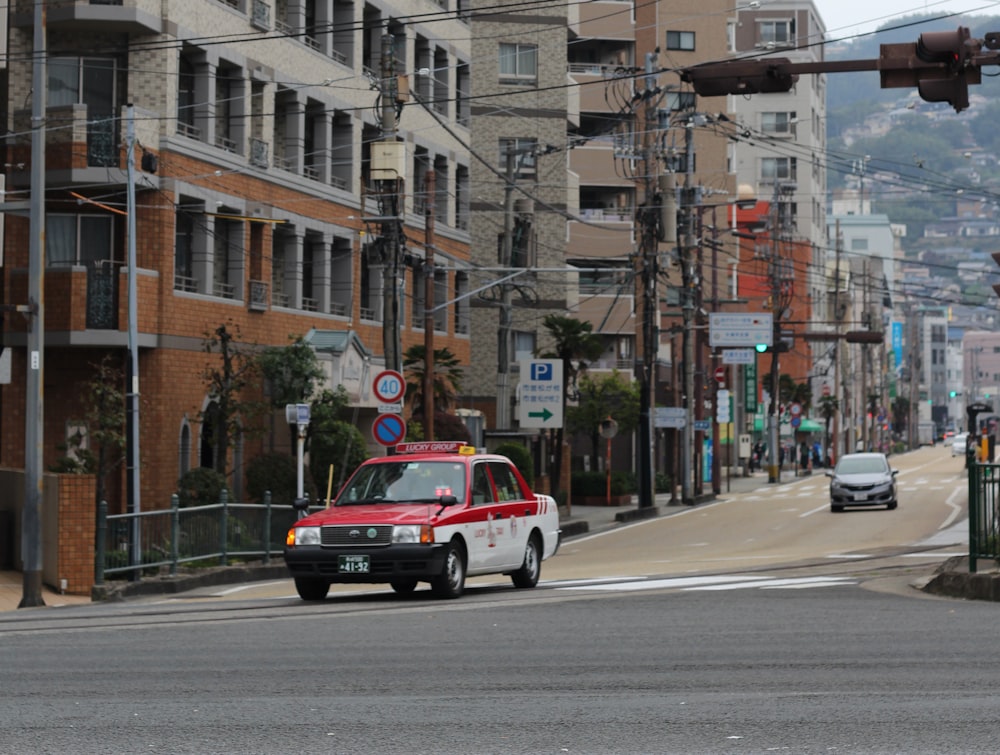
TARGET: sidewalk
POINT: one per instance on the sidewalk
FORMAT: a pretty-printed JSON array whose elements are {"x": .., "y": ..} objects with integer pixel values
[{"x": 582, "y": 520}]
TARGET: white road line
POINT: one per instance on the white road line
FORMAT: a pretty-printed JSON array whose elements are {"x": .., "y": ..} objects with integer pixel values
[{"x": 773, "y": 584}]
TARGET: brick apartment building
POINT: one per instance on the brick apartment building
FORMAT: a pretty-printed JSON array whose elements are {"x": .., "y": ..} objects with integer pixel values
[{"x": 260, "y": 118}]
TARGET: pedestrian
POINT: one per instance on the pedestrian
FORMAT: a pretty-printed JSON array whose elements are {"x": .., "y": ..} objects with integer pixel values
[
  {"x": 804, "y": 456},
  {"x": 817, "y": 455}
]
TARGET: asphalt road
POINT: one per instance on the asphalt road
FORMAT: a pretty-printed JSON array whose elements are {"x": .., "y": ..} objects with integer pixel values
[{"x": 725, "y": 637}]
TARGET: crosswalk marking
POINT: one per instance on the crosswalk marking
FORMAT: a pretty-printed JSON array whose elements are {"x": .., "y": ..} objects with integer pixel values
[{"x": 713, "y": 583}]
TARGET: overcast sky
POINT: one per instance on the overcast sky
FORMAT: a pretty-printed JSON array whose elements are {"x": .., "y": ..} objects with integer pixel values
[{"x": 844, "y": 18}]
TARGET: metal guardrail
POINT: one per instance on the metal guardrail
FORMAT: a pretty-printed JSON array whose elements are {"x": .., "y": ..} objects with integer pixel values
[
  {"x": 170, "y": 537},
  {"x": 984, "y": 514}
]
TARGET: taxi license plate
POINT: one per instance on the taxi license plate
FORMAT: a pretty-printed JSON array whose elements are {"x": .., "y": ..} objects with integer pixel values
[
  {"x": 353, "y": 564},
  {"x": 860, "y": 496}
]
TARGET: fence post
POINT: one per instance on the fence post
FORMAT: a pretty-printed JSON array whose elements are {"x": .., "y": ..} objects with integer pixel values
[
  {"x": 224, "y": 500},
  {"x": 267, "y": 527},
  {"x": 175, "y": 533},
  {"x": 102, "y": 539}
]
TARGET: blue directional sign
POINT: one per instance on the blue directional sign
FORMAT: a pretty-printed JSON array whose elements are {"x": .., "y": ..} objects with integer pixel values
[{"x": 540, "y": 393}]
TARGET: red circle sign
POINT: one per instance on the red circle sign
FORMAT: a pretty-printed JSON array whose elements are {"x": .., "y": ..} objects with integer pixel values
[
  {"x": 389, "y": 386},
  {"x": 389, "y": 429},
  {"x": 720, "y": 374}
]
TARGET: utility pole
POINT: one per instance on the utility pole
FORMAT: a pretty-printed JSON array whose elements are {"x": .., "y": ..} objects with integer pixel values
[
  {"x": 838, "y": 317},
  {"x": 428, "y": 390},
  {"x": 780, "y": 299},
  {"x": 388, "y": 169},
  {"x": 648, "y": 301},
  {"x": 132, "y": 461},
  {"x": 688, "y": 283},
  {"x": 506, "y": 304},
  {"x": 31, "y": 518}
]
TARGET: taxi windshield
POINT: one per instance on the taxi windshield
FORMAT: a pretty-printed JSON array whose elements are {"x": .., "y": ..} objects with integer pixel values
[{"x": 404, "y": 482}]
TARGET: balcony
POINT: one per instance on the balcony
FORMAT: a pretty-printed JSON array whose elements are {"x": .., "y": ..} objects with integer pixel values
[
  {"x": 594, "y": 163},
  {"x": 260, "y": 16},
  {"x": 258, "y": 296},
  {"x": 603, "y": 19},
  {"x": 136, "y": 17},
  {"x": 608, "y": 240}
]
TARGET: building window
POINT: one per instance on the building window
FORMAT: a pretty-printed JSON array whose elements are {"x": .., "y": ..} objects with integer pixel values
[
  {"x": 524, "y": 155},
  {"x": 777, "y": 123},
  {"x": 77, "y": 239},
  {"x": 680, "y": 40},
  {"x": 776, "y": 32},
  {"x": 90, "y": 82},
  {"x": 518, "y": 63},
  {"x": 859, "y": 245},
  {"x": 777, "y": 169}
]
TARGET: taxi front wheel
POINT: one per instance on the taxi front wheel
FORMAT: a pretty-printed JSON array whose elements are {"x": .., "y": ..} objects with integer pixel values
[
  {"x": 531, "y": 567},
  {"x": 451, "y": 582},
  {"x": 311, "y": 589}
]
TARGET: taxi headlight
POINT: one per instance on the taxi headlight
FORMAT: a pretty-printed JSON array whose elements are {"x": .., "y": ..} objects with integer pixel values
[
  {"x": 412, "y": 533},
  {"x": 305, "y": 536}
]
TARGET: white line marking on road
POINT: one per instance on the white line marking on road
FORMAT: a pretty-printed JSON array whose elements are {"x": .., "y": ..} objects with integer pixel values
[{"x": 770, "y": 584}]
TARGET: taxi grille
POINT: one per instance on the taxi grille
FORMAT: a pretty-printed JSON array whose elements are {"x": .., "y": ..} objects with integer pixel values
[{"x": 356, "y": 535}]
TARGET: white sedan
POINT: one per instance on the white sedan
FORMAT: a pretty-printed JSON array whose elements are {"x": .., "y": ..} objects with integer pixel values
[{"x": 959, "y": 444}]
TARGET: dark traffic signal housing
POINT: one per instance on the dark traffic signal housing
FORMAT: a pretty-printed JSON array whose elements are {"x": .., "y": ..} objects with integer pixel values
[{"x": 941, "y": 65}]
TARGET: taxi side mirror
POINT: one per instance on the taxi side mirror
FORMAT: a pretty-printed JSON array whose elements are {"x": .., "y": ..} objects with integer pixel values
[{"x": 448, "y": 500}]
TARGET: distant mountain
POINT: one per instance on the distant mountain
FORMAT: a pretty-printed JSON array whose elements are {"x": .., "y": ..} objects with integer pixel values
[{"x": 849, "y": 91}]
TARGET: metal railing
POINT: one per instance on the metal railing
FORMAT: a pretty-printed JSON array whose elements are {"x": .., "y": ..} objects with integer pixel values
[
  {"x": 214, "y": 533},
  {"x": 984, "y": 513}
]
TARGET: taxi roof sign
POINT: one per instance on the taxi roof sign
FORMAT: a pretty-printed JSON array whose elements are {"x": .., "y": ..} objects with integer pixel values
[{"x": 435, "y": 447}]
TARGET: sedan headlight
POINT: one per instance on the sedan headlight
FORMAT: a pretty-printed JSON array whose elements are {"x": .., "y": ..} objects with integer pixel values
[
  {"x": 303, "y": 536},
  {"x": 412, "y": 533}
]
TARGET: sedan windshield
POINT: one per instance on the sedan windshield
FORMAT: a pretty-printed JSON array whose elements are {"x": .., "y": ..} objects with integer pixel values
[
  {"x": 866, "y": 465},
  {"x": 405, "y": 482}
]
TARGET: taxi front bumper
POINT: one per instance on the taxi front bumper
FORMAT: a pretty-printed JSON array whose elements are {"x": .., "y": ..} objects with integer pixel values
[{"x": 388, "y": 563}]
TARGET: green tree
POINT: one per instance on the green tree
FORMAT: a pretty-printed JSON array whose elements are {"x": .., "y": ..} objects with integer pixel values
[
  {"x": 575, "y": 346},
  {"x": 292, "y": 373},
  {"x": 332, "y": 440},
  {"x": 601, "y": 397},
  {"x": 233, "y": 408}
]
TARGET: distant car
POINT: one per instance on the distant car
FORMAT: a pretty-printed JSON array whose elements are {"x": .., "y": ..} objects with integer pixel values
[
  {"x": 862, "y": 480},
  {"x": 434, "y": 512},
  {"x": 960, "y": 444}
]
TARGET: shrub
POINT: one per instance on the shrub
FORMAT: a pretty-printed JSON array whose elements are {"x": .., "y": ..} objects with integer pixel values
[
  {"x": 521, "y": 458},
  {"x": 201, "y": 486},
  {"x": 278, "y": 473},
  {"x": 596, "y": 483},
  {"x": 344, "y": 447}
]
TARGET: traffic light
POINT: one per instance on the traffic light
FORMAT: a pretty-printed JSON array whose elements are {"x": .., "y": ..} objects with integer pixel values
[
  {"x": 763, "y": 348},
  {"x": 949, "y": 83}
]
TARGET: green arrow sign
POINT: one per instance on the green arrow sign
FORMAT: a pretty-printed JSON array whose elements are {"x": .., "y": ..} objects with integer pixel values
[{"x": 545, "y": 414}]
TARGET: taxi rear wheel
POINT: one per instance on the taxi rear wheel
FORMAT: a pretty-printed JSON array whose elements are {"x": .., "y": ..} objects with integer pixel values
[
  {"x": 531, "y": 567},
  {"x": 450, "y": 583},
  {"x": 404, "y": 586},
  {"x": 311, "y": 589}
]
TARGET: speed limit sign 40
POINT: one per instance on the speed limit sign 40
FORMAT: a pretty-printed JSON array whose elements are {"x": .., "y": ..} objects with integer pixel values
[{"x": 388, "y": 386}]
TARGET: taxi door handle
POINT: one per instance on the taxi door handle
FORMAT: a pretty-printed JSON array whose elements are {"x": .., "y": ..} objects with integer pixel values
[
  {"x": 498, "y": 515},
  {"x": 527, "y": 512}
]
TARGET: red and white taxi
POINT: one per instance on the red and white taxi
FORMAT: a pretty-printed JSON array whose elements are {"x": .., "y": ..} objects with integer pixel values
[{"x": 434, "y": 512}]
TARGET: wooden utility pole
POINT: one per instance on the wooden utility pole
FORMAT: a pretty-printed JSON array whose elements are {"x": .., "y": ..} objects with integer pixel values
[{"x": 429, "y": 367}]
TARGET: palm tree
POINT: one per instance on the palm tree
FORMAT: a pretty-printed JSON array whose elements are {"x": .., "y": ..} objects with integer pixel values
[
  {"x": 576, "y": 346},
  {"x": 828, "y": 407},
  {"x": 447, "y": 378}
]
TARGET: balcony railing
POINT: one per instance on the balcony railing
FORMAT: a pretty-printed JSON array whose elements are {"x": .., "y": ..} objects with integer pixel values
[
  {"x": 224, "y": 290},
  {"x": 185, "y": 283},
  {"x": 102, "y": 149},
  {"x": 188, "y": 130},
  {"x": 102, "y": 295}
]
